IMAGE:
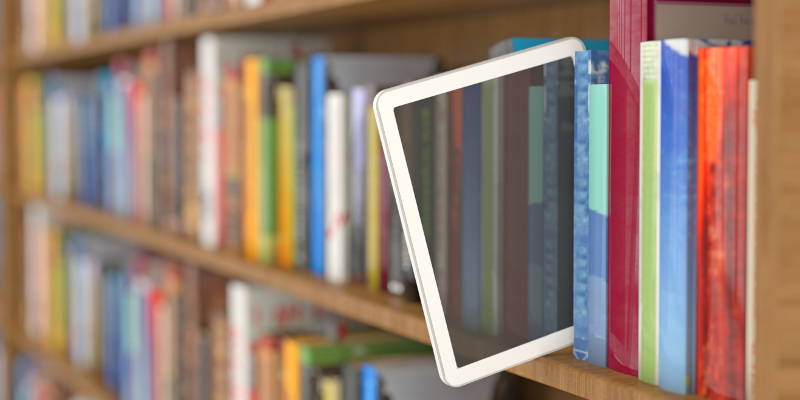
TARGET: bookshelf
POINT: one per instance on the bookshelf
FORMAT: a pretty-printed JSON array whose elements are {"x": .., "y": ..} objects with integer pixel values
[{"x": 463, "y": 30}]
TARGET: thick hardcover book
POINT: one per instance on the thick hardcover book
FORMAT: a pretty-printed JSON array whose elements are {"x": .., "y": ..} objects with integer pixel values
[
  {"x": 591, "y": 67},
  {"x": 337, "y": 269},
  {"x": 723, "y": 73},
  {"x": 650, "y": 153},
  {"x": 471, "y": 210},
  {"x": 535, "y": 200},
  {"x": 456, "y": 145},
  {"x": 515, "y": 205},
  {"x": 630, "y": 24},
  {"x": 598, "y": 224}
]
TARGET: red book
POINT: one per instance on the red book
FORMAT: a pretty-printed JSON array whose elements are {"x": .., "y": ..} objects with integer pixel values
[
  {"x": 453, "y": 301},
  {"x": 630, "y": 24},
  {"x": 721, "y": 211}
]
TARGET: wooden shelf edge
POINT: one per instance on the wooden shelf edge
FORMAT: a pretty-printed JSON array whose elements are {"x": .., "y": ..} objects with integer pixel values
[
  {"x": 390, "y": 313},
  {"x": 58, "y": 368}
]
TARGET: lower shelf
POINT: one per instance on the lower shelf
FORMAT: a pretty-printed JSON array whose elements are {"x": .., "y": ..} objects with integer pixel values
[{"x": 381, "y": 310}]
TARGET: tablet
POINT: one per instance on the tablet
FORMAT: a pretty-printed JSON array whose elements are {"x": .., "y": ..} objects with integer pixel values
[{"x": 481, "y": 163}]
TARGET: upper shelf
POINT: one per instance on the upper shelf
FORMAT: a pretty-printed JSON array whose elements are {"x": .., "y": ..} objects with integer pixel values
[
  {"x": 288, "y": 15},
  {"x": 380, "y": 310}
]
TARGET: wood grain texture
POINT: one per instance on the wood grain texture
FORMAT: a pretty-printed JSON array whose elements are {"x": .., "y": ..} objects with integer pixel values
[
  {"x": 57, "y": 367},
  {"x": 777, "y": 55},
  {"x": 380, "y": 310}
]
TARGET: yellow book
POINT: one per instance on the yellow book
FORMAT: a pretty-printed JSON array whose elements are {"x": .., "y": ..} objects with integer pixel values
[
  {"x": 30, "y": 134},
  {"x": 331, "y": 388},
  {"x": 372, "y": 229},
  {"x": 290, "y": 364},
  {"x": 58, "y": 323},
  {"x": 251, "y": 215},
  {"x": 286, "y": 168},
  {"x": 55, "y": 23}
]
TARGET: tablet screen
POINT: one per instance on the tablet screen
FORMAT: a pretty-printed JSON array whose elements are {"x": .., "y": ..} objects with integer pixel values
[{"x": 491, "y": 166}]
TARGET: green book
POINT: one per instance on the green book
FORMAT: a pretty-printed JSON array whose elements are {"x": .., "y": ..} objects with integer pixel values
[
  {"x": 649, "y": 162},
  {"x": 357, "y": 346},
  {"x": 272, "y": 72}
]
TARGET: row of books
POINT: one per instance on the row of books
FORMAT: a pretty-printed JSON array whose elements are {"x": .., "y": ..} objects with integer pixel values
[
  {"x": 30, "y": 382},
  {"x": 53, "y": 23},
  {"x": 152, "y": 328},
  {"x": 697, "y": 140}
]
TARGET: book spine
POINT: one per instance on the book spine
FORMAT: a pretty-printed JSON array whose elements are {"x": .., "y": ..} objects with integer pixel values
[
  {"x": 37, "y": 283},
  {"x": 598, "y": 224},
  {"x": 208, "y": 143},
  {"x": 566, "y": 144},
  {"x": 650, "y": 153},
  {"x": 471, "y": 210},
  {"x": 372, "y": 228},
  {"x": 337, "y": 270},
  {"x": 535, "y": 209},
  {"x": 409, "y": 125},
  {"x": 752, "y": 200},
  {"x": 30, "y": 130},
  {"x": 580, "y": 255},
  {"x": 233, "y": 148},
  {"x": 238, "y": 311},
  {"x": 497, "y": 210},
  {"x": 290, "y": 369},
  {"x": 455, "y": 167},
  {"x": 488, "y": 164},
  {"x": 386, "y": 199},
  {"x": 623, "y": 273},
  {"x": 441, "y": 186},
  {"x": 358, "y": 101},
  {"x": 677, "y": 215},
  {"x": 318, "y": 85},
  {"x": 251, "y": 95},
  {"x": 301, "y": 170},
  {"x": 515, "y": 204},
  {"x": 286, "y": 184},
  {"x": 550, "y": 199},
  {"x": 190, "y": 207},
  {"x": 267, "y": 162}
]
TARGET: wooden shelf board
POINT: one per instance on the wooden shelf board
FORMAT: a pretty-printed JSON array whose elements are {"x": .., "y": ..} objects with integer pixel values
[
  {"x": 380, "y": 310},
  {"x": 58, "y": 367},
  {"x": 293, "y": 15}
]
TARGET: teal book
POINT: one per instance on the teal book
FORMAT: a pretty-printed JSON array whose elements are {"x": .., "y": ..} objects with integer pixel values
[
  {"x": 598, "y": 224},
  {"x": 513, "y": 44}
]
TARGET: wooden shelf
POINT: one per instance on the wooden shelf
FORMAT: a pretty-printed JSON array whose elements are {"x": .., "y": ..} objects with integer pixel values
[
  {"x": 380, "y": 310},
  {"x": 58, "y": 368},
  {"x": 286, "y": 15}
]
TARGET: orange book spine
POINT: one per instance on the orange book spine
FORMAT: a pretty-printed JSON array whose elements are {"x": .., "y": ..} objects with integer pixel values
[
  {"x": 286, "y": 139},
  {"x": 251, "y": 94}
]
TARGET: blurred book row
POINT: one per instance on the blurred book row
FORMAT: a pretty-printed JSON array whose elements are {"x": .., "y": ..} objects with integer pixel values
[{"x": 153, "y": 328}]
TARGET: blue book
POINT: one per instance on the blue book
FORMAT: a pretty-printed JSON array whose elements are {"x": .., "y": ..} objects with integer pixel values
[
  {"x": 513, "y": 44},
  {"x": 318, "y": 85},
  {"x": 598, "y": 224},
  {"x": 591, "y": 67},
  {"x": 678, "y": 218},
  {"x": 89, "y": 165},
  {"x": 113, "y": 286},
  {"x": 550, "y": 200},
  {"x": 370, "y": 383},
  {"x": 343, "y": 71},
  {"x": 103, "y": 84},
  {"x": 535, "y": 206},
  {"x": 471, "y": 210}
]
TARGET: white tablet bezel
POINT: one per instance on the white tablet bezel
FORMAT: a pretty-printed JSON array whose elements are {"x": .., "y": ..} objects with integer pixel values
[{"x": 385, "y": 103}]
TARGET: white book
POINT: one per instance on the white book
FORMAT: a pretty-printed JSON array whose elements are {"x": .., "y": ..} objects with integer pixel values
[
  {"x": 750, "y": 282},
  {"x": 337, "y": 268},
  {"x": 36, "y": 221},
  {"x": 78, "y": 21},
  {"x": 58, "y": 141},
  {"x": 239, "y": 356},
  {"x": 213, "y": 52},
  {"x": 84, "y": 274}
]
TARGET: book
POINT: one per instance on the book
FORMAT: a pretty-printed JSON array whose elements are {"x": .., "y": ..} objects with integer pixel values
[
  {"x": 300, "y": 79},
  {"x": 441, "y": 193},
  {"x": 372, "y": 227},
  {"x": 649, "y": 176},
  {"x": 214, "y": 51},
  {"x": 723, "y": 73},
  {"x": 416, "y": 378},
  {"x": 286, "y": 153},
  {"x": 37, "y": 291},
  {"x": 30, "y": 130},
  {"x": 359, "y": 97},
  {"x": 535, "y": 207},
  {"x": 337, "y": 269},
  {"x": 489, "y": 316},
  {"x": 513, "y": 44},
  {"x": 471, "y": 210},
  {"x": 190, "y": 204},
  {"x": 623, "y": 180},
  {"x": 341, "y": 71},
  {"x": 591, "y": 67},
  {"x": 598, "y": 224},
  {"x": 233, "y": 145},
  {"x": 752, "y": 200}
]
